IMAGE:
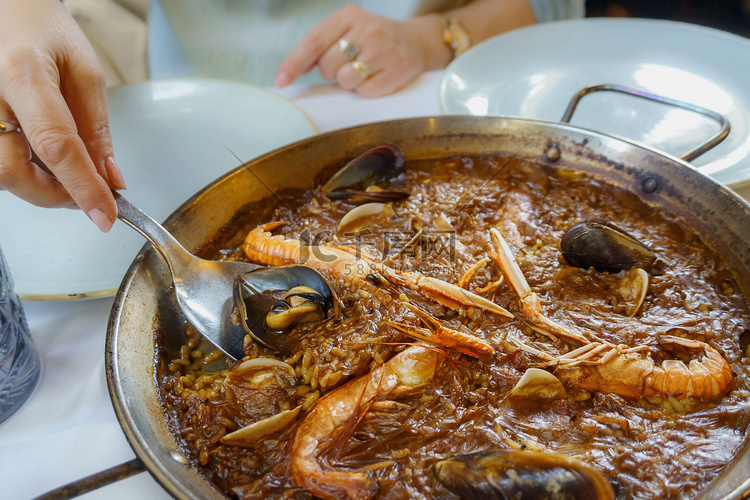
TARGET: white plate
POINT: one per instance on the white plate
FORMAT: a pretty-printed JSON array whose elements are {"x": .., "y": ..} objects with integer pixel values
[
  {"x": 534, "y": 72},
  {"x": 171, "y": 139}
]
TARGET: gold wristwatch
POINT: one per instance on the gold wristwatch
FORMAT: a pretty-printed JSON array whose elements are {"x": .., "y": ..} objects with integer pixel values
[{"x": 455, "y": 36}]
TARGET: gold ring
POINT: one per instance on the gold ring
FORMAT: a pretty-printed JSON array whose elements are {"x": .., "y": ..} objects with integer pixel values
[
  {"x": 361, "y": 68},
  {"x": 349, "y": 50},
  {"x": 8, "y": 127}
]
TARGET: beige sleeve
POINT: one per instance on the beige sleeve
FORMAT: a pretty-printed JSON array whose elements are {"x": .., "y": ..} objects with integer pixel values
[{"x": 117, "y": 31}]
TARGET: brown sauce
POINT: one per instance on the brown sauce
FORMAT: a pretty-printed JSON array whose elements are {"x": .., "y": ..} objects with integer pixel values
[{"x": 649, "y": 447}]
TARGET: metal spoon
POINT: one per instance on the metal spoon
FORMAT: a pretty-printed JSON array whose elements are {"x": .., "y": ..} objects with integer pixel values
[{"x": 203, "y": 288}]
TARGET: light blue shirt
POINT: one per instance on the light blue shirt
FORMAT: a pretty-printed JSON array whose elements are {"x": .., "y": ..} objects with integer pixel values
[{"x": 246, "y": 40}]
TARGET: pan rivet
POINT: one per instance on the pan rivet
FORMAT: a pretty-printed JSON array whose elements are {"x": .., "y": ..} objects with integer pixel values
[
  {"x": 649, "y": 185},
  {"x": 553, "y": 153}
]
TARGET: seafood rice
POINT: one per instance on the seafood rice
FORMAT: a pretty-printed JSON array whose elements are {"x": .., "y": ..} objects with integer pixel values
[{"x": 466, "y": 347}]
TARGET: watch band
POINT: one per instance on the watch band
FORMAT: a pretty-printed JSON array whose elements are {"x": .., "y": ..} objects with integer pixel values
[{"x": 455, "y": 36}]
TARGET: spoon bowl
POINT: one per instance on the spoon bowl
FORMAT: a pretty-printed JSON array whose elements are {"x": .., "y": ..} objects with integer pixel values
[
  {"x": 307, "y": 297},
  {"x": 204, "y": 288}
]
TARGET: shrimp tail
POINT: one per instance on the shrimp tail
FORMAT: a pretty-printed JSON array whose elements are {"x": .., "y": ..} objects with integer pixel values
[
  {"x": 262, "y": 247},
  {"x": 709, "y": 377}
]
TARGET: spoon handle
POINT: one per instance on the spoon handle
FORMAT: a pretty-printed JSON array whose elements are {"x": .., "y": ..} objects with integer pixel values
[{"x": 172, "y": 251}]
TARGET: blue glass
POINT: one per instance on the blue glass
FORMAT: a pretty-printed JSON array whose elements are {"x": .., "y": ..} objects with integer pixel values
[{"x": 20, "y": 364}]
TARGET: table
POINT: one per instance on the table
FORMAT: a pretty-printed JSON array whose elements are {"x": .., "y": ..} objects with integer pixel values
[{"x": 68, "y": 429}]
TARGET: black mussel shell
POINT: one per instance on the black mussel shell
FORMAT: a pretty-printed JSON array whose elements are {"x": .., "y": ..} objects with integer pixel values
[
  {"x": 379, "y": 164},
  {"x": 522, "y": 475},
  {"x": 259, "y": 291},
  {"x": 605, "y": 247}
]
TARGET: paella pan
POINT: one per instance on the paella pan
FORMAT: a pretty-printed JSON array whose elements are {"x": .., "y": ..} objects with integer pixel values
[{"x": 525, "y": 183}]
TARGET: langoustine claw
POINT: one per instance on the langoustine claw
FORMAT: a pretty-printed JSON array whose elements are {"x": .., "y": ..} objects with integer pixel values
[
  {"x": 447, "y": 337},
  {"x": 530, "y": 305}
]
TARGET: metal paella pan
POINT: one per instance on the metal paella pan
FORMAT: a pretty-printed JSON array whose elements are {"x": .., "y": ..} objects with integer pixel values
[{"x": 662, "y": 181}]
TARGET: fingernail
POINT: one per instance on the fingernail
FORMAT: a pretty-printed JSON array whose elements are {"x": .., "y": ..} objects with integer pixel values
[
  {"x": 114, "y": 173},
  {"x": 282, "y": 79},
  {"x": 100, "y": 219}
]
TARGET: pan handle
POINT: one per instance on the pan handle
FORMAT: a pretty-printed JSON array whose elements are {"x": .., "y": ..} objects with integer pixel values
[
  {"x": 94, "y": 481},
  {"x": 690, "y": 155}
]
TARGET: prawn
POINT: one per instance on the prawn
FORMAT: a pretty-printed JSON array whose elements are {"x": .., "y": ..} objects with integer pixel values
[{"x": 405, "y": 372}]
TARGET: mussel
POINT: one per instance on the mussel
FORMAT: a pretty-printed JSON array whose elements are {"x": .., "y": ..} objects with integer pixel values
[
  {"x": 605, "y": 247},
  {"x": 521, "y": 475},
  {"x": 272, "y": 301},
  {"x": 301, "y": 304},
  {"x": 356, "y": 182}
]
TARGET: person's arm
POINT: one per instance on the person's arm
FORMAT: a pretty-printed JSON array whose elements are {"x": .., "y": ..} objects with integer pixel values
[
  {"x": 52, "y": 85},
  {"x": 394, "y": 52}
]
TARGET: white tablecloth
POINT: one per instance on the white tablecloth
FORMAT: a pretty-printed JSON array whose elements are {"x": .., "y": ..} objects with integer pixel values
[{"x": 68, "y": 429}]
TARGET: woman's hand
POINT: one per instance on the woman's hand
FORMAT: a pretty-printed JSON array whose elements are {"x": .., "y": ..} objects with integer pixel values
[
  {"x": 384, "y": 55},
  {"x": 52, "y": 85}
]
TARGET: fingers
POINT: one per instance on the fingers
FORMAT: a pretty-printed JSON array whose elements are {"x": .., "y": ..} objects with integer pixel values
[
  {"x": 86, "y": 96},
  {"x": 50, "y": 127},
  {"x": 334, "y": 58},
  {"x": 388, "y": 53},
  {"x": 375, "y": 74},
  {"x": 22, "y": 177},
  {"x": 304, "y": 57},
  {"x": 52, "y": 85},
  {"x": 352, "y": 74}
]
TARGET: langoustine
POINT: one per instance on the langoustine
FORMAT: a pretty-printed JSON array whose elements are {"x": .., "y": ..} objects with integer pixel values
[
  {"x": 630, "y": 373},
  {"x": 262, "y": 247},
  {"x": 605, "y": 367}
]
